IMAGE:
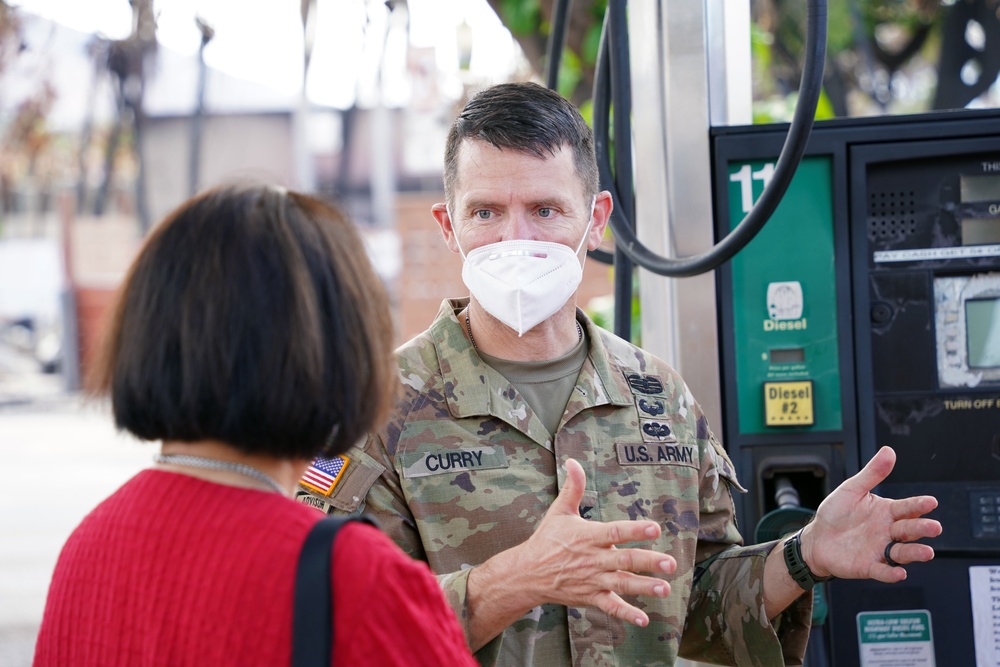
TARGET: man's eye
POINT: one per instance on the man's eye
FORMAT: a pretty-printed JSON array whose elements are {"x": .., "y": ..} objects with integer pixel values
[
  {"x": 483, "y": 214},
  {"x": 545, "y": 213}
]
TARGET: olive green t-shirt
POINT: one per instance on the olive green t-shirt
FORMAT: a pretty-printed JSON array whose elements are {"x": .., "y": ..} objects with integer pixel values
[{"x": 545, "y": 385}]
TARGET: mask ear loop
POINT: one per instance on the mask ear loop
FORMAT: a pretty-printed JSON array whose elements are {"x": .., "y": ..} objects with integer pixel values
[
  {"x": 590, "y": 224},
  {"x": 455, "y": 231}
]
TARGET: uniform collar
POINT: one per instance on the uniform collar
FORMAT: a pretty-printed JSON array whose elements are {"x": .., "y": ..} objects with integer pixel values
[{"x": 601, "y": 378}]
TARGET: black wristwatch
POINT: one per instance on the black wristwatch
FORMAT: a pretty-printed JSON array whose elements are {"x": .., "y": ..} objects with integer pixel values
[{"x": 797, "y": 567}]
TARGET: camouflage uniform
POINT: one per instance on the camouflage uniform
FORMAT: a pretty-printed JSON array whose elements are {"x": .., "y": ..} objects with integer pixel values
[{"x": 464, "y": 470}]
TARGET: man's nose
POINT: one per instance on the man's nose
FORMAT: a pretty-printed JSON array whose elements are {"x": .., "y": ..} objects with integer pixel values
[{"x": 519, "y": 227}]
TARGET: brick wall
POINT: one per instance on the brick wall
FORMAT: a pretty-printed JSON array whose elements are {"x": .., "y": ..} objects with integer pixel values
[{"x": 430, "y": 271}]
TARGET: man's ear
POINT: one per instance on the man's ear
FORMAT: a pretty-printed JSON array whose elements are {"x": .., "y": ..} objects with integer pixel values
[
  {"x": 443, "y": 218},
  {"x": 602, "y": 214}
]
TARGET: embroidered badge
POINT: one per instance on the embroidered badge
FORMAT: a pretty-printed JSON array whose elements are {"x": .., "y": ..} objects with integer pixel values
[
  {"x": 307, "y": 498},
  {"x": 656, "y": 431},
  {"x": 655, "y": 454},
  {"x": 654, "y": 407},
  {"x": 324, "y": 474},
  {"x": 644, "y": 384},
  {"x": 422, "y": 464}
]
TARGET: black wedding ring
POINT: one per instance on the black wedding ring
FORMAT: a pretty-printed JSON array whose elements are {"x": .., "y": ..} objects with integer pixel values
[{"x": 888, "y": 558}]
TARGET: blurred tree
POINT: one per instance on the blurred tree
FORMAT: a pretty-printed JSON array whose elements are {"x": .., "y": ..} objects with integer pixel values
[
  {"x": 970, "y": 53},
  {"x": 529, "y": 21},
  {"x": 11, "y": 45},
  {"x": 883, "y": 56},
  {"x": 27, "y": 132},
  {"x": 128, "y": 60},
  {"x": 26, "y": 135},
  {"x": 11, "y": 41}
]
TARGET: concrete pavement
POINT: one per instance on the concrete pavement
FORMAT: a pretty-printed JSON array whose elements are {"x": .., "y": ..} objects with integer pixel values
[{"x": 59, "y": 457}]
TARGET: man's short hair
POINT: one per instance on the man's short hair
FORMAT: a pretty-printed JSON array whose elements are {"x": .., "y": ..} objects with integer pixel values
[
  {"x": 251, "y": 316},
  {"x": 523, "y": 117}
]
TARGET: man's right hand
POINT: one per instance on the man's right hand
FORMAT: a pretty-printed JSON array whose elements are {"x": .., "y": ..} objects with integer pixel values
[{"x": 568, "y": 561}]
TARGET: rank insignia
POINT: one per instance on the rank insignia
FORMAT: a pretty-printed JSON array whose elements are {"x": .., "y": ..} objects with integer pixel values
[{"x": 644, "y": 384}]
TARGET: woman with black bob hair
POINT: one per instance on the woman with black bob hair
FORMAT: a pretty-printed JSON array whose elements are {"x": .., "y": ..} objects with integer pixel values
[{"x": 250, "y": 336}]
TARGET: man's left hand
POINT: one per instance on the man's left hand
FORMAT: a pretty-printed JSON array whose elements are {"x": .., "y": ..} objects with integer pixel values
[{"x": 852, "y": 528}]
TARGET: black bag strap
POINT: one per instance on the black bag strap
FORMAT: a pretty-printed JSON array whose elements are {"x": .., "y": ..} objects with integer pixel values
[{"x": 312, "y": 619}]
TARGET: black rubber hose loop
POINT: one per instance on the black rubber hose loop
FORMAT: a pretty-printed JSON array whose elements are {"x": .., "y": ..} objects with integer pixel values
[{"x": 788, "y": 160}]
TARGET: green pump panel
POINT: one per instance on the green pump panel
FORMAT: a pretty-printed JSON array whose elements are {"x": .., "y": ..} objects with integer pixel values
[{"x": 784, "y": 297}]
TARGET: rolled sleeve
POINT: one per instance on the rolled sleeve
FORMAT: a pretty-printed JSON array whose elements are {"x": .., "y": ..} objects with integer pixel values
[
  {"x": 726, "y": 622},
  {"x": 455, "y": 586}
]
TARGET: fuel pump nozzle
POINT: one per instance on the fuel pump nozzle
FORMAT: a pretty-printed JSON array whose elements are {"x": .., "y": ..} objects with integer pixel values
[{"x": 785, "y": 494}]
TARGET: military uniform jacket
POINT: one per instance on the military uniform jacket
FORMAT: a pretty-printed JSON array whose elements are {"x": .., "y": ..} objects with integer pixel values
[{"x": 464, "y": 469}]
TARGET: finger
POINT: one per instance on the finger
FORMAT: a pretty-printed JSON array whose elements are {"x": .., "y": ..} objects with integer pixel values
[
  {"x": 912, "y": 507},
  {"x": 626, "y": 583},
  {"x": 904, "y": 553},
  {"x": 913, "y": 552},
  {"x": 620, "y": 532},
  {"x": 874, "y": 472},
  {"x": 641, "y": 560},
  {"x": 612, "y": 605},
  {"x": 886, "y": 573},
  {"x": 570, "y": 495},
  {"x": 911, "y": 530}
]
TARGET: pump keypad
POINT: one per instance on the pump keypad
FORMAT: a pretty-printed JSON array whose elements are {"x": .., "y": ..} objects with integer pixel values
[{"x": 985, "y": 514}]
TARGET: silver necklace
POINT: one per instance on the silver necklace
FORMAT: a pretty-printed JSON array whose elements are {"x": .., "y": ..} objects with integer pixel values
[
  {"x": 215, "y": 464},
  {"x": 468, "y": 327}
]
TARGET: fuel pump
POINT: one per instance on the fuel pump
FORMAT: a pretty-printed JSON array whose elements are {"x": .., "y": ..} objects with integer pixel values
[{"x": 866, "y": 312}]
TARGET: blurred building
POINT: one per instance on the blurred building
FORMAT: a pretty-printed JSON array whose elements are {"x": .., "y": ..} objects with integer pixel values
[{"x": 383, "y": 165}]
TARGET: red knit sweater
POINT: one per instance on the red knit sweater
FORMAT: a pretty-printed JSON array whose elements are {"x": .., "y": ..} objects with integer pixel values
[{"x": 173, "y": 570}]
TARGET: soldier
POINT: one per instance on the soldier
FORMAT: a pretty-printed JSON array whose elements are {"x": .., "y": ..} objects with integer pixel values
[{"x": 563, "y": 484}]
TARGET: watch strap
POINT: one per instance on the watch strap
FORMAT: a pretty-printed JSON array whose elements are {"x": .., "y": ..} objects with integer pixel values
[{"x": 797, "y": 567}]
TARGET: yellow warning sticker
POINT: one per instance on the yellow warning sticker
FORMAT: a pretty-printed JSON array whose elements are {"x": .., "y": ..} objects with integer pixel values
[{"x": 788, "y": 403}]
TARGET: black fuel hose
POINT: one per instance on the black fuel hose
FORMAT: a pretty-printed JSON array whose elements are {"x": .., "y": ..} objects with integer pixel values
[
  {"x": 623, "y": 266},
  {"x": 788, "y": 160},
  {"x": 621, "y": 97},
  {"x": 556, "y": 43},
  {"x": 557, "y": 39}
]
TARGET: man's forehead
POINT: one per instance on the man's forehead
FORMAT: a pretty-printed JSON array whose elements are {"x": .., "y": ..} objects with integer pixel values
[
  {"x": 471, "y": 147},
  {"x": 483, "y": 167}
]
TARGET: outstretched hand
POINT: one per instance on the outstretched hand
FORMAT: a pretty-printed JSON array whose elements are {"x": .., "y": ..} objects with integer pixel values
[
  {"x": 575, "y": 562},
  {"x": 848, "y": 536}
]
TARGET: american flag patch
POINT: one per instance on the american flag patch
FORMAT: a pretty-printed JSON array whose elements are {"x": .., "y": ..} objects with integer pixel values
[{"x": 324, "y": 474}]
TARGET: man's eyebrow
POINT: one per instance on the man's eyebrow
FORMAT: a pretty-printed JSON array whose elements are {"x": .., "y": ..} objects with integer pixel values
[
  {"x": 544, "y": 202},
  {"x": 473, "y": 204},
  {"x": 550, "y": 202}
]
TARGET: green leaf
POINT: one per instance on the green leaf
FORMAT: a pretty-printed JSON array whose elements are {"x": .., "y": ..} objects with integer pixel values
[
  {"x": 522, "y": 17},
  {"x": 591, "y": 44},
  {"x": 569, "y": 73}
]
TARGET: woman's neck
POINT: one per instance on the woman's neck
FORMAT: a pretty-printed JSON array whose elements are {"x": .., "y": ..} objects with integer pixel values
[{"x": 286, "y": 472}]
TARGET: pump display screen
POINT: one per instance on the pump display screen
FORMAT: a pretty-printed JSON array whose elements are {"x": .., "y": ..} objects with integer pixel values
[
  {"x": 980, "y": 196},
  {"x": 980, "y": 231},
  {"x": 980, "y": 188},
  {"x": 982, "y": 318},
  {"x": 967, "y": 330},
  {"x": 793, "y": 355}
]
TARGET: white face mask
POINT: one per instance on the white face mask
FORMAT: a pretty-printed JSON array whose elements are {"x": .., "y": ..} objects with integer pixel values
[{"x": 522, "y": 283}]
